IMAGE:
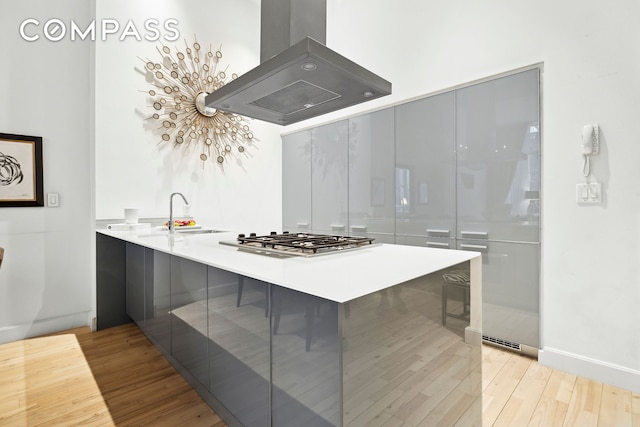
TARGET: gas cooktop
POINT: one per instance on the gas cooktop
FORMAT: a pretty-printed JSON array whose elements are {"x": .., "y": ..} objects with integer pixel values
[{"x": 298, "y": 244}]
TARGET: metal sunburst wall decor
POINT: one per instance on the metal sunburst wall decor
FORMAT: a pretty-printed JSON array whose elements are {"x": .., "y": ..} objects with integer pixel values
[{"x": 180, "y": 84}]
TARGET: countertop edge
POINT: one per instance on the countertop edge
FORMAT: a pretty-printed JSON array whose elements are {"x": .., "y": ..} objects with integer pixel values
[{"x": 336, "y": 277}]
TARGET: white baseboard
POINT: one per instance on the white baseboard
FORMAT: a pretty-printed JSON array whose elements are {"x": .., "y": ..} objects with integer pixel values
[
  {"x": 44, "y": 326},
  {"x": 473, "y": 336},
  {"x": 597, "y": 370}
]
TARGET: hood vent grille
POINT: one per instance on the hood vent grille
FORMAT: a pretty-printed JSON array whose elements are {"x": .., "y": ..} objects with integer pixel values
[
  {"x": 502, "y": 343},
  {"x": 296, "y": 97}
]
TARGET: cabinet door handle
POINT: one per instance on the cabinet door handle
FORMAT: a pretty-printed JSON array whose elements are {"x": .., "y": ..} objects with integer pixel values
[
  {"x": 302, "y": 224},
  {"x": 439, "y": 244},
  {"x": 433, "y": 231},
  {"x": 358, "y": 228},
  {"x": 476, "y": 234},
  {"x": 474, "y": 247},
  {"x": 337, "y": 226}
]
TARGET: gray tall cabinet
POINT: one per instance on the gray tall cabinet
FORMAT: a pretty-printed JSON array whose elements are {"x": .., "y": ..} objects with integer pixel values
[
  {"x": 498, "y": 191},
  {"x": 371, "y": 176},
  {"x": 296, "y": 181},
  {"x": 460, "y": 169},
  {"x": 425, "y": 172},
  {"x": 313, "y": 179},
  {"x": 329, "y": 194}
]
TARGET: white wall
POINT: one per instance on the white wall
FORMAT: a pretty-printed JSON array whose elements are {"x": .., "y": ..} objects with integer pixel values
[
  {"x": 132, "y": 170},
  {"x": 591, "y": 56},
  {"x": 46, "y": 277}
]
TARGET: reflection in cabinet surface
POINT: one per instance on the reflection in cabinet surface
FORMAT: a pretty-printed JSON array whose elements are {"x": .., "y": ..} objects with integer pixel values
[
  {"x": 158, "y": 297},
  {"x": 498, "y": 155},
  {"x": 425, "y": 167},
  {"x": 510, "y": 296},
  {"x": 329, "y": 190},
  {"x": 188, "y": 316},
  {"x": 238, "y": 340},
  {"x": 296, "y": 181},
  {"x": 371, "y": 175}
]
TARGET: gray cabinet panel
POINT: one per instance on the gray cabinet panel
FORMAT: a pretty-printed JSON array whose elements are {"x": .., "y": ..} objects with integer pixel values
[
  {"x": 296, "y": 181},
  {"x": 329, "y": 178},
  {"x": 111, "y": 278},
  {"x": 189, "y": 317},
  {"x": 425, "y": 166},
  {"x": 135, "y": 283},
  {"x": 305, "y": 354},
  {"x": 239, "y": 360},
  {"x": 158, "y": 298},
  {"x": 371, "y": 174},
  {"x": 380, "y": 341},
  {"x": 510, "y": 290},
  {"x": 498, "y": 152}
]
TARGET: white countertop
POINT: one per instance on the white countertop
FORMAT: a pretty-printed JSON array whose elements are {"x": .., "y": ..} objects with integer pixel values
[{"x": 338, "y": 277}]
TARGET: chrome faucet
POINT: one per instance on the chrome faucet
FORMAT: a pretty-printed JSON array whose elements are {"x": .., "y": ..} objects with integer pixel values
[{"x": 171, "y": 224}]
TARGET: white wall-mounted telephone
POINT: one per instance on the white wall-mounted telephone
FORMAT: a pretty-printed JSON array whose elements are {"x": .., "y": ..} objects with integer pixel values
[{"x": 590, "y": 145}]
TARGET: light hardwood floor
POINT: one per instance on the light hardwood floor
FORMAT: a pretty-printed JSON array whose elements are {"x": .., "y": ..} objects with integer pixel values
[
  {"x": 517, "y": 391},
  {"x": 116, "y": 377},
  {"x": 112, "y": 377}
]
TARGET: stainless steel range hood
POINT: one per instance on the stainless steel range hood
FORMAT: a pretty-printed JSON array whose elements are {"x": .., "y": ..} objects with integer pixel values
[{"x": 299, "y": 77}]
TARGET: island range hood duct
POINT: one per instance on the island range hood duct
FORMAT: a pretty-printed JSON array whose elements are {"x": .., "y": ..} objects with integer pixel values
[{"x": 298, "y": 77}]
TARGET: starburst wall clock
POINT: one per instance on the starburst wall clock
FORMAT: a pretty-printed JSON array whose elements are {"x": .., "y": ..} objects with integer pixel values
[{"x": 179, "y": 86}]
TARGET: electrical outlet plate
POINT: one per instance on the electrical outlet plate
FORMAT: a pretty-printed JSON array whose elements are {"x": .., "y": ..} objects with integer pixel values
[
  {"x": 52, "y": 200},
  {"x": 589, "y": 193}
]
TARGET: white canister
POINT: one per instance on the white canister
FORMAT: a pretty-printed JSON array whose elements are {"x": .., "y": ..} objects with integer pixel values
[{"x": 131, "y": 216}]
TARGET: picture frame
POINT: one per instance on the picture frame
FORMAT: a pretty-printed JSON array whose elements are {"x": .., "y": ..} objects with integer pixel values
[{"x": 21, "y": 177}]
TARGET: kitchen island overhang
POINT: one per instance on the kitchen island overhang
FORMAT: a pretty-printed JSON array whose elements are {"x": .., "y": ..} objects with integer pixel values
[{"x": 342, "y": 324}]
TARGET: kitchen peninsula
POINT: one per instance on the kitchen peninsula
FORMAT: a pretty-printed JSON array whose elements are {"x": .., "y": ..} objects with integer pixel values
[{"x": 332, "y": 340}]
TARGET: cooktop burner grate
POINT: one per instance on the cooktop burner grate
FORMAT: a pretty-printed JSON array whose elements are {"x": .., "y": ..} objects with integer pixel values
[{"x": 300, "y": 243}]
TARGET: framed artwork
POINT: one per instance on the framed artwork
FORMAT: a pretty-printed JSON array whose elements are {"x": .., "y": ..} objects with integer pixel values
[{"x": 20, "y": 170}]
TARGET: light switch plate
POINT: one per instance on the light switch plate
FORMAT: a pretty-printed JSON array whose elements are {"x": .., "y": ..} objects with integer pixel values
[
  {"x": 589, "y": 194},
  {"x": 52, "y": 200}
]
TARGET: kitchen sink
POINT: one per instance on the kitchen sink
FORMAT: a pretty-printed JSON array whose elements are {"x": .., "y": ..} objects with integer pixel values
[
  {"x": 180, "y": 232},
  {"x": 199, "y": 231}
]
